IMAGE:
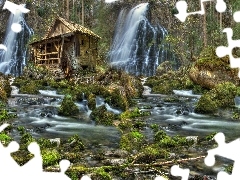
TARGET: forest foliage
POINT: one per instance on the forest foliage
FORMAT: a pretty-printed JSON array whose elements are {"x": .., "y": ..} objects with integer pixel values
[{"x": 187, "y": 39}]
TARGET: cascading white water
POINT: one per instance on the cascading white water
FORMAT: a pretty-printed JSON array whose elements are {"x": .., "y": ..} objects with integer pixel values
[
  {"x": 101, "y": 102},
  {"x": 13, "y": 60},
  {"x": 138, "y": 46}
]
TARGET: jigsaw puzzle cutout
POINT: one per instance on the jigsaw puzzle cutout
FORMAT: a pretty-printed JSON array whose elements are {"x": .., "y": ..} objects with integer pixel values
[
  {"x": 177, "y": 171},
  {"x": 227, "y": 150},
  {"x": 32, "y": 169},
  {"x": 14, "y": 9},
  {"x": 222, "y": 51},
  {"x": 182, "y": 7}
]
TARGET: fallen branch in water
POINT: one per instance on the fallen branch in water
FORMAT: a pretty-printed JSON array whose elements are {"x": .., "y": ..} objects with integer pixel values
[{"x": 169, "y": 162}]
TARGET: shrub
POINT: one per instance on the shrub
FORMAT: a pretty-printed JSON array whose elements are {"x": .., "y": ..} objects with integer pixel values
[
  {"x": 101, "y": 174},
  {"x": 102, "y": 116},
  {"x": 68, "y": 107},
  {"x": 219, "y": 97},
  {"x": 151, "y": 153},
  {"x": 5, "y": 138},
  {"x": 50, "y": 157},
  {"x": 129, "y": 114},
  {"x": 132, "y": 140},
  {"x": 76, "y": 143}
]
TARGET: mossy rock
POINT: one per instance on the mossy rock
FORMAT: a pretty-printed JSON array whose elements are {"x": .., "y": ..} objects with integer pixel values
[
  {"x": 206, "y": 104},
  {"x": 75, "y": 143},
  {"x": 221, "y": 96},
  {"x": 167, "y": 142},
  {"x": 91, "y": 101},
  {"x": 29, "y": 86},
  {"x": 101, "y": 174},
  {"x": 210, "y": 70},
  {"x": 3, "y": 95},
  {"x": 117, "y": 100},
  {"x": 151, "y": 153},
  {"x": 132, "y": 141},
  {"x": 130, "y": 114},
  {"x": 68, "y": 107},
  {"x": 101, "y": 116},
  {"x": 50, "y": 157},
  {"x": 172, "y": 80},
  {"x": 163, "y": 68}
]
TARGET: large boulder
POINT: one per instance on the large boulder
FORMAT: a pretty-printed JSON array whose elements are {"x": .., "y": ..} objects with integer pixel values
[{"x": 210, "y": 70}]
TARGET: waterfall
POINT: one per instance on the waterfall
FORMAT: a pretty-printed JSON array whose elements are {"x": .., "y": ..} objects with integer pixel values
[
  {"x": 138, "y": 46},
  {"x": 13, "y": 60}
]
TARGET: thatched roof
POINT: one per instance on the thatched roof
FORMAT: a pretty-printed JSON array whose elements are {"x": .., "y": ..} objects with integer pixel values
[{"x": 61, "y": 27}]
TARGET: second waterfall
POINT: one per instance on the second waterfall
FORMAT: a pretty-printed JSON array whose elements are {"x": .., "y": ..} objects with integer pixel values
[{"x": 138, "y": 46}]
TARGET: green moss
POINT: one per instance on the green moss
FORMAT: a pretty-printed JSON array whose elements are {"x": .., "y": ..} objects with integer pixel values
[
  {"x": 3, "y": 95},
  {"x": 129, "y": 114},
  {"x": 160, "y": 135},
  {"x": 29, "y": 86},
  {"x": 22, "y": 156},
  {"x": 76, "y": 172},
  {"x": 206, "y": 104},
  {"x": 5, "y": 139},
  {"x": 172, "y": 80},
  {"x": 165, "y": 141},
  {"x": 7, "y": 88},
  {"x": 25, "y": 140},
  {"x": 210, "y": 136},
  {"x": 210, "y": 61},
  {"x": 101, "y": 174},
  {"x": 68, "y": 107},
  {"x": 103, "y": 117},
  {"x": 125, "y": 124},
  {"x": 154, "y": 127},
  {"x": 92, "y": 101},
  {"x": 117, "y": 100},
  {"x": 132, "y": 140},
  {"x": 75, "y": 143},
  {"x": 221, "y": 96},
  {"x": 5, "y": 115},
  {"x": 150, "y": 153},
  {"x": 50, "y": 157},
  {"x": 46, "y": 143}
]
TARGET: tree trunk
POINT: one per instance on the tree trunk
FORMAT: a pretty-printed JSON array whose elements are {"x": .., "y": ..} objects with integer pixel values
[
  {"x": 204, "y": 27},
  {"x": 67, "y": 7},
  {"x": 83, "y": 12},
  {"x": 220, "y": 23}
]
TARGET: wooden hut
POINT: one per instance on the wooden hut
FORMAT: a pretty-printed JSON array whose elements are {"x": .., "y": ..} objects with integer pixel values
[{"x": 67, "y": 46}]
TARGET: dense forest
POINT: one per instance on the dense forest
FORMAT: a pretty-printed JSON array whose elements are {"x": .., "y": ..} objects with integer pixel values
[{"x": 187, "y": 39}]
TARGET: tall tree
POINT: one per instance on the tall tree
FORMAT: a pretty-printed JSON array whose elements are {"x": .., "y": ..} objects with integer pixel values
[
  {"x": 83, "y": 12},
  {"x": 67, "y": 9}
]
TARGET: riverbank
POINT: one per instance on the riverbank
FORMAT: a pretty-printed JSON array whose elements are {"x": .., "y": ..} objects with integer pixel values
[{"x": 134, "y": 146}]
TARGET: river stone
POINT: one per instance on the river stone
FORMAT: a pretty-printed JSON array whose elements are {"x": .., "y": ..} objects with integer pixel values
[
  {"x": 194, "y": 138},
  {"x": 115, "y": 162},
  {"x": 120, "y": 153}
]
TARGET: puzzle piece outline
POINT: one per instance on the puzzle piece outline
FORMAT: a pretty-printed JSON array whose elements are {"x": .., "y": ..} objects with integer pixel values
[
  {"x": 223, "y": 51},
  {"x": 227, "y": 150},
  {"x": 182, "y": 7}
]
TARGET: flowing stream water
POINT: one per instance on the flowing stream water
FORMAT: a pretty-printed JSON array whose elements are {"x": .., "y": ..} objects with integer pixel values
[{"x": 38, "y": 114}]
